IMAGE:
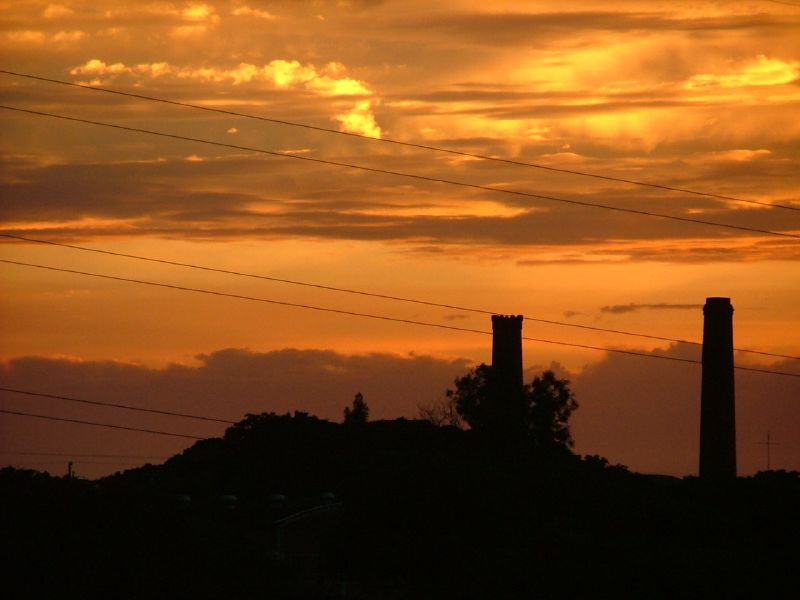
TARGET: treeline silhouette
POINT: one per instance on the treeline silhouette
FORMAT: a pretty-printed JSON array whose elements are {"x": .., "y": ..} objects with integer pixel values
[{"x": 293, "y": 506}]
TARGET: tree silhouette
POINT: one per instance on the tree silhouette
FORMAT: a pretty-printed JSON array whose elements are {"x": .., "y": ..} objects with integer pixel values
[
  {"x": 541, "y": 412},
  {"x": 550, "y": 405},
  {"x": 472, "y": 399},
  {"x": 359, "y": 414},
  {"x": 442, "y": 412}
]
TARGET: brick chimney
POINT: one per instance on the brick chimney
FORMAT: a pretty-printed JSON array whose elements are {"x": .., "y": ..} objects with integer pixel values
[
  {"x": 717, "y": 396},
  {"x": 506, "y": 416},
  {"x": 507, "y": 350}
]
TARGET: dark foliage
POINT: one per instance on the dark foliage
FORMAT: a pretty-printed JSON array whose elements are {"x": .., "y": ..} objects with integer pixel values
[
  {"x": 549, "y": 404},
  {"x": 539, "y": 413},
  {"x": 427, "y": 513},
  {"x": 358, "y": 415}
]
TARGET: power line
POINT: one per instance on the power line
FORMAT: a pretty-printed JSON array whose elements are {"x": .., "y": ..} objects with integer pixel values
[
  {"x": 405, "y": 174},
  {"x": 398, "y": 142},
  {"x": 123, "y": 406},
  {"x": 71, "y": 454},
  {"x": 372, "y": 294},
  {"x": 95, "y": 424},
  {"x": 372, "y": 316},
  {"x": 241, "y": 297},
  {"x": 27, "y": 463}
]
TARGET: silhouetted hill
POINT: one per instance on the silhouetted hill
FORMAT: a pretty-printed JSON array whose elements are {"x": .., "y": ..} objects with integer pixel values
[{"x": 294, "y": 506}]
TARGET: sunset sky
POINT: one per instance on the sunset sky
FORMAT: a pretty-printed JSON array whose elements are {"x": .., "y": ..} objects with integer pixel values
[{"x": 696, "y": 95}]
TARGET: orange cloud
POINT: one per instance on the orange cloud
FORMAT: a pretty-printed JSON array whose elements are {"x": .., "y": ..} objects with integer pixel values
[
  {"x": 325, "y": 81},
  {"x": 740, "y": 154},
  {"x": 200, "y": 12},
  {"x": 360, "y": 120},
  {"x": 27, "y": 36},
  {"x": 56, "y": 11},
  {"x": 760, "y": 71},
  {"x": 246, "y": 11},
  {"x": 68, "y": 36},
  {"x": 281, "y": 73}
]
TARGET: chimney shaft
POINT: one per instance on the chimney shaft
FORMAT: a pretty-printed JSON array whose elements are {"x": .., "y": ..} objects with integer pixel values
[
  {"x": 507, "y": 350},
  {"x": 506, "y": 415},
  {"x": 717, "y": 397}
]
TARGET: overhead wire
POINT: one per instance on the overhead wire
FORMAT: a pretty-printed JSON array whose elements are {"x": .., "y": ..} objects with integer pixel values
[
  {"x": 371, "y": 294},
  {"x": 82, "y": 455},
  {"x": 27, "y": 463},
  {"x": 96, "y": 424},
  {"x": 385, "y": 140},
  {"x": 407, "y": 175},
  {"x": 371, "y": 315},
  {"x": 360, "y": 167},
  {"x": 113, "y": 405}
]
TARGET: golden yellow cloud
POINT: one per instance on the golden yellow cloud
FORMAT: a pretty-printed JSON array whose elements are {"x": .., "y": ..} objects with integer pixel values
[
  {"x": 99, "y": 67},
  {"x": 200, "y": 12},
  {"x": 760, "y": 71},
  {"x": 740, "y": 154},
  {"x": 55, "y": 11},
  {"x": 246, "y": 11},
  {"x": 328, "y": 80},
  {"x": 281, "y": 73},
  {"x": 360, "y": 120}
]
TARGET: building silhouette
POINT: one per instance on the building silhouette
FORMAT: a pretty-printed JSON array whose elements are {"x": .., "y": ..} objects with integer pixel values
[{"x": 717, "y": 396}]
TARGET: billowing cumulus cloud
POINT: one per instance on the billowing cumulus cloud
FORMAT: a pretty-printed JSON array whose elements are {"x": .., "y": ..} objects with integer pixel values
[{"x": 360, "y": 120}]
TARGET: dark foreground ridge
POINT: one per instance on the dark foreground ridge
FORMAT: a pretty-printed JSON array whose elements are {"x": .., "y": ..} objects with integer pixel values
[{"x": 298, "y": 507}]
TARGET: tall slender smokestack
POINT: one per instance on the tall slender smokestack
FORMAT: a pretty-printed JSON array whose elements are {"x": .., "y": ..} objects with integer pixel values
[{"x": 717, "y": 397}]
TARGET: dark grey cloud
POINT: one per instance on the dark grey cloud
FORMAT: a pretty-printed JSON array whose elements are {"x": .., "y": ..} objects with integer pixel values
[
  {"x": 553, "y": 110},
  {"x": 634, "y": 410},
  {"x": 514, "y": 102},
  {"x": 231, "y": 382},
  {"x": 534, "y": 29},
  {"x": 225, "y": 384},
  {"x": 182, "y": 198},
  {"x": 646, "y": 413},
  {"x": 525, "y": 101},
  {"x": 762, "y": 250},
  {"x": 618, "y": 309},
  {"x": 455, "y": 317}
]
